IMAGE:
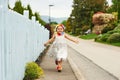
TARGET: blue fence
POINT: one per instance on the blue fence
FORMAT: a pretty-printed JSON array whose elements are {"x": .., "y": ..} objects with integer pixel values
[{"x": 21, "y": 41}]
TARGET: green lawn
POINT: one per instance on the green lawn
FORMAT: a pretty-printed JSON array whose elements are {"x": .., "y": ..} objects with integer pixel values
[
  {"x": 88, "y": 36},
  {"x": 92, "y": 36},
  {"x": 116, "y": 44}
]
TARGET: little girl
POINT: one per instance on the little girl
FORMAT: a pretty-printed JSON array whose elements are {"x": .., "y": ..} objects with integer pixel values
[{"x": 59, "y": 47}]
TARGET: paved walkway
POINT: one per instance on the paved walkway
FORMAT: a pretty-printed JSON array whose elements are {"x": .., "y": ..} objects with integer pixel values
[{"x": 51, "y": 73}]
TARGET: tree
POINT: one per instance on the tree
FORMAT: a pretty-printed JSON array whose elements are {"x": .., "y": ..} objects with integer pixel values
[
  {"x": 9, "y": 6},
  {"x": 39, "y": 19},
  {"x": 53, "y": 22},
  {"x": 68, "y": 25},
  {"x": 83, "y": 11},
  {"x": 30, "y": 11},
  {"x": 18, "y": 7},
  {"x": 64, "y": 22},
  {"x": 115, "y": 7},
  {"x": 118, "y": 9}
]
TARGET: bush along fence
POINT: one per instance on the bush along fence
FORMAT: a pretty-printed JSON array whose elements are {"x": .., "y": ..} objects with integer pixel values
[{"x": 21, "y": 41}]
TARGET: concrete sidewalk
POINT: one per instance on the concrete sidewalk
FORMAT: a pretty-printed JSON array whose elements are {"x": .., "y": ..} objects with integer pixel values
[{"x": 49, "y": 67}]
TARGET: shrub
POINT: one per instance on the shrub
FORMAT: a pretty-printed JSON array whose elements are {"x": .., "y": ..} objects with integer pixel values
[
  {"x": 33, "y": 71},
  {"x": 102, "y": 18},
  {"x": 118, "y": 27},
  {"x": 107, "y": 28},
  {"x": 77, "y": 31},
  {"x": 97, "y": 38},
  {"x": 115, "y": 37},
  {"x": 105, "y": 37},
  {"x": 113, "y": 31}
]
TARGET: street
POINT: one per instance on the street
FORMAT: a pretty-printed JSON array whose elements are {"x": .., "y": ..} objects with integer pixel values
[{"x": 95, "y": 61}]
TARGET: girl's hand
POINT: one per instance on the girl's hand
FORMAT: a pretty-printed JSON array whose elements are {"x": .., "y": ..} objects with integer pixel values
[
  {"x": 76, "y": 41},
  {"x": 45, "y": 44}
]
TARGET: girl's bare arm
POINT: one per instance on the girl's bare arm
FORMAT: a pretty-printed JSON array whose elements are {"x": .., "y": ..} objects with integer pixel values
[
  {"x": 50, "y": 40},
  {"x": 71, "y": 39}
]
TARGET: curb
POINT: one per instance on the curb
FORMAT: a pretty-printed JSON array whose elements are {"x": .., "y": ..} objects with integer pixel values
[{"x": 75, "y": 69}]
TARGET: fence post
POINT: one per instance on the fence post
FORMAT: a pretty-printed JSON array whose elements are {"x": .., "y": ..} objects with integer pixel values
[
  {"x": 3, "y": 14},
  {"x": 33, "y": 18},
  {"x": 26, "y": 13}
]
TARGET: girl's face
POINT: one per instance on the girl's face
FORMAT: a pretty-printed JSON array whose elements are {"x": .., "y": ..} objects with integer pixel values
[{"x": 60, "y": 29}]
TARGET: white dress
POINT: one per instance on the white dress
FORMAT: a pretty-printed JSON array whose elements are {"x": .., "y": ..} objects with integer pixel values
[{"x": 59, "y": 48}]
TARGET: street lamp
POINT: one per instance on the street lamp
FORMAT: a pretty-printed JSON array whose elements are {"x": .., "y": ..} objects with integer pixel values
[
  {"x": 73, "y": 27},
  {"x": 49, "y": 13}
]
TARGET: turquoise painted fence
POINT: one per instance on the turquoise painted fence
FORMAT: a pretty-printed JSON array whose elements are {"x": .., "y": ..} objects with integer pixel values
[{"x": 21, "y": 41}]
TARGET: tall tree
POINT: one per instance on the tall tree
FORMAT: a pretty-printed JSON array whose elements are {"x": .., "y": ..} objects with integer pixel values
[
  {"x": 118, "y": 9},
  {"x": 68, "y": 25},
  {"x": 115, "y": 7},
  {"x": 39, "y": 19},
  {"x": 18, "y": 7},
  {"x": 30, "y": 11},
  {"x": 83, "y": 10}
]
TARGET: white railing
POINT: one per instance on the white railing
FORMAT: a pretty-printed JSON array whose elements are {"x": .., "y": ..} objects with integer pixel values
[{"x": 21, "y": 41}]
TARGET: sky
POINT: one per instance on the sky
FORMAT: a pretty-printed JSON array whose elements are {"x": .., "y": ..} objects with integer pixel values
[{"x": 61, "y": 8}]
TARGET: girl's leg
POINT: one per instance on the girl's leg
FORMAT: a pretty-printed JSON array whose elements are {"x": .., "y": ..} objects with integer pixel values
[
  {"x": 59, "y": 67},
  {"x": 56, "y": 61},
  {"x": 60, "y": 63}
]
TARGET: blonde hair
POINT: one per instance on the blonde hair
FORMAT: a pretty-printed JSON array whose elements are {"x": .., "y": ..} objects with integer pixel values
[{"x": 59, "y": 25}]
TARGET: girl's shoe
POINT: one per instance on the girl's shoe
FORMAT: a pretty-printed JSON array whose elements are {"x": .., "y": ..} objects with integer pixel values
[{"x": 59, "y": 68}]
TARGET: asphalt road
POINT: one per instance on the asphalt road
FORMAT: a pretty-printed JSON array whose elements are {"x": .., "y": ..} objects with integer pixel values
[
  {"x": 87, "y": 68},
  {"x": 97, "y": 61}
]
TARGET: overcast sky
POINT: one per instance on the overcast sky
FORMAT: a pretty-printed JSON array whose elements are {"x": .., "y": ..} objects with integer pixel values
[{"x": 61, "y": 8}]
